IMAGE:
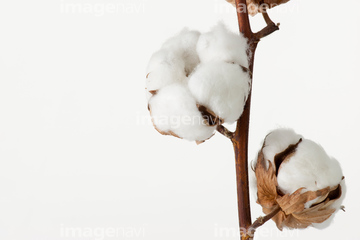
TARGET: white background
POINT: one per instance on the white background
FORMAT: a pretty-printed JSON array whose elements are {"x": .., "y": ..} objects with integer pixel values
[{"x": 77, "y": 150}]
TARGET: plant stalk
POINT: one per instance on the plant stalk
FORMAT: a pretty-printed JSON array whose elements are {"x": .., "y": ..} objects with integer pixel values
[
  {"x": 241, "y": 135},
  {"x": 240, "y": 138}
]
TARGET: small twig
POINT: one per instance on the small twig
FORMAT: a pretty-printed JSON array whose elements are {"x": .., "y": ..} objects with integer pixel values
[
  {"x": 261, "y": 220},
  {"x": 224, "y": 131},
  {"x": 264, "y": 13},
  {"x": 270, "y": 28},
  {"x": 267, "y": 17}
]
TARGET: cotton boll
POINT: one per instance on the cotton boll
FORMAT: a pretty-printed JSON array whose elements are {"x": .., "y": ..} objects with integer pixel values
[
  {"x": 173, "y": 110},
  {"x": 310, "y": 167},
  {"x": 300, "y": 179},
  {"x": 221, "y": 44},
  {"x": 164, "y": 68},
  {"x": 185, "y": 45},
  {"x": 221, "y": 87},
  {"x": 277, "y": 141}
]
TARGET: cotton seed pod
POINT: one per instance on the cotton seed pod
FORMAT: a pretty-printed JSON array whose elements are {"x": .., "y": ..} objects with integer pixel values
[
  {"x": 299, "y": 178},
  {"x": 257, "y": 6}
]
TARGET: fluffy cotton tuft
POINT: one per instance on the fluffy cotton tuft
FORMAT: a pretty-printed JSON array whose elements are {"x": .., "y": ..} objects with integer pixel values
[
  {"x": 309, "y": 167},
  {"x": 221, "y": 87},
  {"x": 173, "y": 110},
  {"x": 164, "y": 69},
  {"x": 221, "y": 44},
  {"x": 176, "y": 59},
  {"x": 277, "y": 141},
  {"x": 185, "y": 45}
]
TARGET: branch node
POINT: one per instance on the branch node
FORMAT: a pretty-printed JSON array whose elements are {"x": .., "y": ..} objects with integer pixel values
[
  {"x": 270, "y": 27},
  {"x": 260, "y": 219},
  {"x": 224, "y": 131}
]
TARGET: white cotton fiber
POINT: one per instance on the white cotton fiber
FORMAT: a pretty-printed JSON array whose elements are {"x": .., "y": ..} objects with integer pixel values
[
  {"x": 221, "y": 44},
  {"x": 164, "y": 68},
  {"x": 309, "y": 167},
  {"x": 173, "y": 110},
  {"x": 277, "y": 141},
  {"x": 221, "y": 87},
  {"x": 176, "y": 59},
  {"x": 185, "y": 45}
]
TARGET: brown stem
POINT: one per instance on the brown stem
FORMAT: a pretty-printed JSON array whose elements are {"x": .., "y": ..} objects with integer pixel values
[
  {"x": 241, "y": 135},
  {"x": 266, "y": 31},
  {"x": 261, "y": 220},
  {"x": 267, "y": 17},
  {"x": 240, "y": 139},
  {"x": 270, "y": 27},
  {"x": 224, "y": 131},
  {"x": 243, "y": 18}
]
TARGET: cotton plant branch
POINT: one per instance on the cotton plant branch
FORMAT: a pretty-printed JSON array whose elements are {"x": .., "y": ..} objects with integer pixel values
[
  {"x": 270, "y": 27},
  {"x": 224, "y": 131},
  {"x": 213, "y": 74},
  {"x": 241, "y": 135},
  {"x": 261, "y": 220}
]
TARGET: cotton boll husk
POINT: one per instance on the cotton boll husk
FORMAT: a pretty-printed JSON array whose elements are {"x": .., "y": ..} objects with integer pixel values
[
  {"x": 164, "y": 68},
  {"x": 173, "y": 109},
  {"x": 185, "y": 45},
  {"x": 221, "y": 44},
  {"x": 336, "y": 205},
  {"x": 277, "y": 141},
  {"x": 221, "y": 87},
  {"x": 310, "y": 168}
]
